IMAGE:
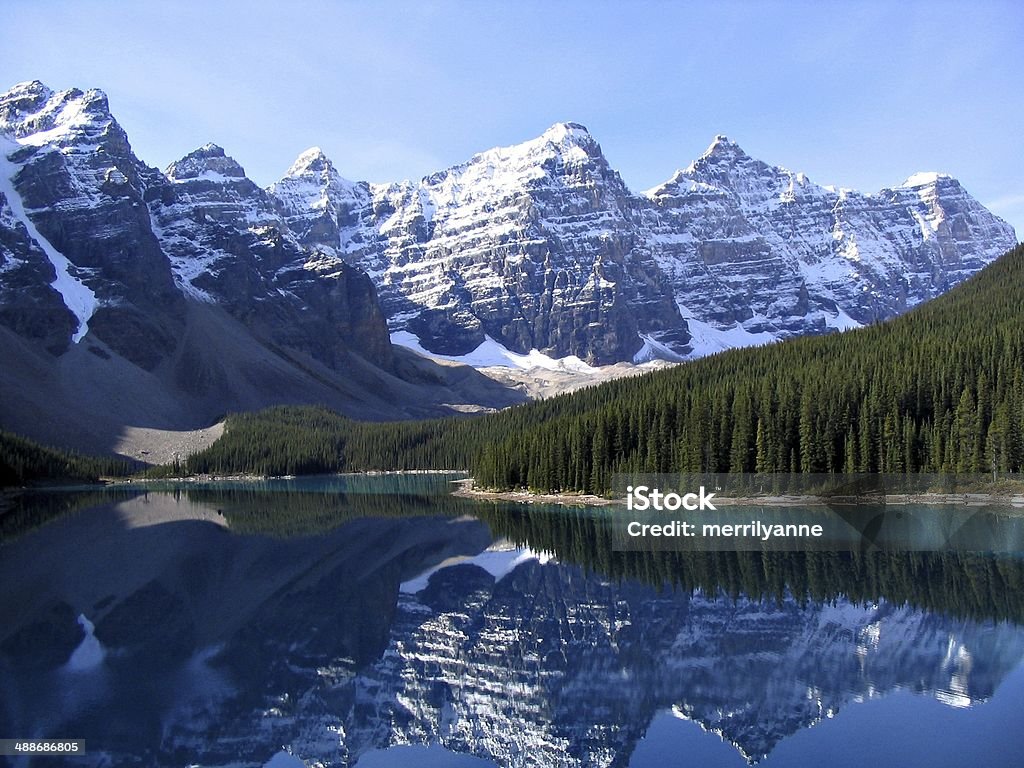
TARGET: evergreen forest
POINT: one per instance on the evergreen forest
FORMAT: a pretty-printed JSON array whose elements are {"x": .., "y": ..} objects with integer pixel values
[
  {"x": 24, "y": 462},
  {"x": 937, "y": 390}
]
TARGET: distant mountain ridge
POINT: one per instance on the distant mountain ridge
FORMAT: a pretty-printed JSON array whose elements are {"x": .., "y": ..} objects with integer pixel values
[
  {"x": 165, "y": 299},
  {"x": 539, "y": 245},
  {"x": 542, "y": 246},
  {"x": 134, "y": 297}
]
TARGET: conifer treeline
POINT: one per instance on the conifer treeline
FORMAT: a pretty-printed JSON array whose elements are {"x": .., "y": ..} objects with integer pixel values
[
  {"x": 940, "y": 389},
  {"x": 24, "y": 461}
]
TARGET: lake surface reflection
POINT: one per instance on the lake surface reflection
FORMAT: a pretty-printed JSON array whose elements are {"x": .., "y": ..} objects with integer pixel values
[{"x": 379, "y": 621}]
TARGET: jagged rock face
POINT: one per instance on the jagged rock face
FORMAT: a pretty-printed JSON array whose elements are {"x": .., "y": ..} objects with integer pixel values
[
  {"x": 95, "y": 243},
  {"x": 227, "y": 245},
  {"x": 542, "y": 246},
  {"x": 750, "y": 244},
  {"x": 539, "y": 246},
  {"x": 534, "y": 245},
  {"x": 71, "y": 166},
  {"x": 318, "y": 204}
]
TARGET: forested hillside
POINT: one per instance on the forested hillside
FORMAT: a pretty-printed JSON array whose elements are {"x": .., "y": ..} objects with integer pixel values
[
  {"x": 940, "y": 389},
  {"x": 24, "y": 461}
]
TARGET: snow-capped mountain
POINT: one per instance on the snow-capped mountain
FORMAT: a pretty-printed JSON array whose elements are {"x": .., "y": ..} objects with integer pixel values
[
  {"x": 80, "y": 257},
  {"x": 228, "y": 246},
  {"x": 764, "y": 250},
  {"x": 127, "y": 244},
  {"x": 541, "y": 246},
  {"x": 199, "y": 292},
  {"x": 533, "y": 245},
  {"x": 131, "y": 296}
]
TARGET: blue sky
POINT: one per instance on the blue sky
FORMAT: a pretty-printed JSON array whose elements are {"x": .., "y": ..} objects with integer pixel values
[{"x": 857, "y": 94}]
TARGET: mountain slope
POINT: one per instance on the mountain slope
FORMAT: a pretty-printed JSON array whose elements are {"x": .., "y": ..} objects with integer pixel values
[
  {"x": 774, "y": 251},
  {"x": 541, "y": 246},
  {"x": 133, "y": 298},
  {"x": 74, "y": 191},
  {"x": 938, "y": 390}
]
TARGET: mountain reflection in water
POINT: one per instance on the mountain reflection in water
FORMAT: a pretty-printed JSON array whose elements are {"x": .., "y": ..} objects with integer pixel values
[{"x": 378, "y": 620}]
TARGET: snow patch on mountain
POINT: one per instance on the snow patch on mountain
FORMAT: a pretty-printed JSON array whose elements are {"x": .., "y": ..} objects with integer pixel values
[
  {"x": 491, "y": 353},
  {"x": 655, "y": 350},
  {"x": 708, "y": 339},
  {"x": 77, "y": 296},
  {"x": 921, "y": 178},
  {"x": 842, "y": 322}
]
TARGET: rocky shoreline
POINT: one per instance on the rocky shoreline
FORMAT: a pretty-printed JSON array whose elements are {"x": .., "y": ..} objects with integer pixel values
[{"x": 466, "y": 489}]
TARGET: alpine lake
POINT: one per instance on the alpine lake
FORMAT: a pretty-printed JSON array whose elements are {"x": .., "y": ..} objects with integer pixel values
[{"x": 381, "y": 621}]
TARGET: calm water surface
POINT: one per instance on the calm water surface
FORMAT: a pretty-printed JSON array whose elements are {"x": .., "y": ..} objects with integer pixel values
[{"x": 378, "y": 621}]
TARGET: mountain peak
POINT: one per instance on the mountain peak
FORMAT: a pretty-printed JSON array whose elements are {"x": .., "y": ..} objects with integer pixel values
[
  {"x": 924, "y": 178},
  {"x": 715, "y": 168},
  {"x": 28, "y": 89},
  {"x": 723, "y": 147},
  {"x": 571, "y": 137},
  {"x": 574, "y": 132},
  {"x": 20, "y": 104},
  {"x": 209, "y": 162},
  {"x": 313, "y": 160},
  {"x": 563, "y": 143},
  {"x": 209, "y": 149},
  {"x": 35, "y": 114}
]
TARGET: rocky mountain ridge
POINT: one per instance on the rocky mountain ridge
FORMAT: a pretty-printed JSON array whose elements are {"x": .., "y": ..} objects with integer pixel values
[
  {"x": 542, "y": 246},
  {"x": 165, "y": 299}
]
